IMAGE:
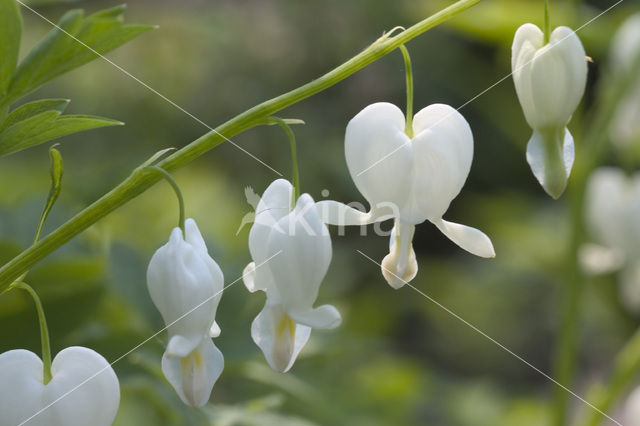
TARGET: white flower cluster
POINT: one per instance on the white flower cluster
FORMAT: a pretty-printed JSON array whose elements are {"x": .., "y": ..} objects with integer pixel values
[{"x": 407, "y": 176}]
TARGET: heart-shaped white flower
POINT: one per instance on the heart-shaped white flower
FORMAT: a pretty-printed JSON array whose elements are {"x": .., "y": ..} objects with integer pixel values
[
  {"x": 550, "y": 80},
  {"x": 83, "y": 390},
  {"x": 408, "y": 179},
  {"x": 292, "y": 249}
]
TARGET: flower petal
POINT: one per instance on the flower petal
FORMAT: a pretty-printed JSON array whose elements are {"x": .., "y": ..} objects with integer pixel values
[
  {"x": 21, "y": 388},
  {"x": 608, "y": 195},
  {"x": 95, "y": 401},
  {"x": 596, "y": 259},
  {"x": 335, "y": 213},
  {"x": 550, "y": 155},
  {"x": 376, "y": 148},
  {"x": 400, "y": 265},
  {"x": 322, "y": 317},
  {"x": 562, "y": 92},
  {"x": 273, "y": 206},
  {"x": 550, "y": 79},
  {"x": 194, "y": 375},
  {"x": 215, "y": 330},
  {"x": 83, "y": 390},
  {"x": 442, "y": 155},
  {"x": 183, "y": 289},
  {"x": 279, "y": 338},
  {"x": 471, "y": 239},
  {"x": 194, "y": 237},
  {"x": 300, "y": 253},
  {"x": 527, "y": 41}
]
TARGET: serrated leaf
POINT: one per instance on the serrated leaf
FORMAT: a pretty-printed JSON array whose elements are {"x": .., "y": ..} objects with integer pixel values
[
  {"x": 10, "y": 32},
  {"x": 34, "y": 108},
  {"x": 46, "y": 126},
  {"x": 78, "y": 41}
]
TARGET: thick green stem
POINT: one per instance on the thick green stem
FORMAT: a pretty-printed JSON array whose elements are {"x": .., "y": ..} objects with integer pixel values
[
  {"x": 141, "y": 180},
  {"x": 408, "y": 129},
  {"x": 167, "y": 176},
  {"x": 44, "y": 332}
]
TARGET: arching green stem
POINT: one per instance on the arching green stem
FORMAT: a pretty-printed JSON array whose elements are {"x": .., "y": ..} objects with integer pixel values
[
  {"x": 295, "y": 174},
  {"x": 547, "y": 26},
  {"x": 408, "y": 129},
  {"x": 167, "y": 176},
  {"x": 44, "y": 332}
]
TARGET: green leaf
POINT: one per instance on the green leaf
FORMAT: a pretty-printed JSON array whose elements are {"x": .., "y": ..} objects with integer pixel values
[
  {"x": 78, "y": 41},
  {"x": 10, "y": 31},
  {"x": 46, "y": 126},
  {"x": 34, "y": 108}
]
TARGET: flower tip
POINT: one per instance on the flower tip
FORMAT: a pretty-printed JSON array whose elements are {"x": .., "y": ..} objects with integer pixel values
[
  {"x": 555, "y": 191},
  {"x": 392, "y": 280}
]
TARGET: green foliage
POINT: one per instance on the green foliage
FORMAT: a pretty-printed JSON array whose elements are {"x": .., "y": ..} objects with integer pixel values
[
  {"x": 58, "y": 53},
  {"x": 79, "y": 40},
  {"x": 41, "y": 121},
  {"x": 10, "y": 32}
]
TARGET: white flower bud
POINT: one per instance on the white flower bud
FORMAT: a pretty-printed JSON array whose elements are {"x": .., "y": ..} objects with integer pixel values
[{"x": 186, "y": 284}]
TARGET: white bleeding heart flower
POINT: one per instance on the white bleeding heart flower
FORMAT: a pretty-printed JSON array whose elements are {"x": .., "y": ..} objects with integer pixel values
[
  {"x": 550, "y": 80},
  {"x": 625, "y": 52},
  {"x": 408, "y": 179},
  {"x": 612, "y": 212},
  {"x": 186, "y": 284},
  {"x": 631, "y": 410},
  {"x": 291, "y": 252},
  {"x": 83, "y": 390}
]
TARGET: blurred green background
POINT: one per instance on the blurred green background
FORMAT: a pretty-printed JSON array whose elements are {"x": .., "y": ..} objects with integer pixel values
[{"x": 398, "y": 359}]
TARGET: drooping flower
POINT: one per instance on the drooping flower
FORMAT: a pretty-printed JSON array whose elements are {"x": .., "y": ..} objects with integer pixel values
[
  {"x": 625, "y": 52},
  {"x": 83, "y": 390},
  {"x": 550, "y": 80},
  {"x": 408, "y": 179},
  {"x": 612, "y": 212},
  {"x": 186, "y": 284},
  {"x": 291, "y": 252}
]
